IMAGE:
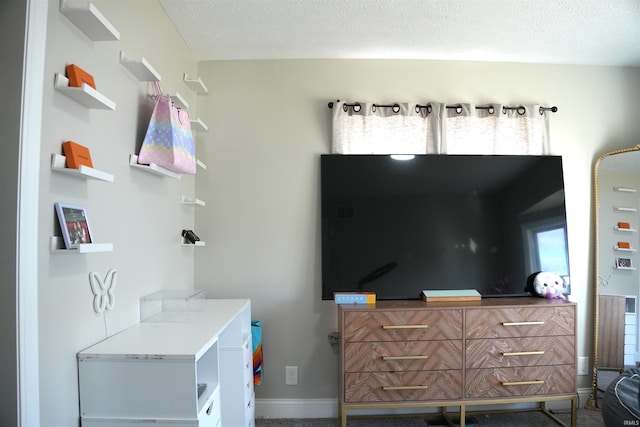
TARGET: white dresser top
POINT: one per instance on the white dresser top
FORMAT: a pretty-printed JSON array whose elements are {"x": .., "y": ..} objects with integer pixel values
[{"x": 189, "y": 337}]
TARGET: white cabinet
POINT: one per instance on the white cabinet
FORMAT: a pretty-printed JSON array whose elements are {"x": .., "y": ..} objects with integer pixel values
[{"x": 171, "y": 373}]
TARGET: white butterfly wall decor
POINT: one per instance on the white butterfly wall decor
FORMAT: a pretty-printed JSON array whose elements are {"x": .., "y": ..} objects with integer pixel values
[{"x": 103, "y": 297}]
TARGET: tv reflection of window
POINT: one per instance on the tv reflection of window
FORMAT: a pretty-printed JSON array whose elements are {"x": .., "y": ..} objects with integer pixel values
[{"x": 546, "y": 242}]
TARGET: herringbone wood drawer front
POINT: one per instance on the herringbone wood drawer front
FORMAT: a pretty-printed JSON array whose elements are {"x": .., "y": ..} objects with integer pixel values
[
  {"x": 402, "y": 386},
  {"x": 411, "y": 353},
  {"x": 403, "y": 325},
  {"x": 520, "y": 322},
  {"x": 402, "y": 356},
  {"x": 526, "y": 381},
  {"x": 506, "y": 352}
]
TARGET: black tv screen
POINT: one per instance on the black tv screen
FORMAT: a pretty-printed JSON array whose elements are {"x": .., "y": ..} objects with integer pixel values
[{"x": 483, "y": 222}]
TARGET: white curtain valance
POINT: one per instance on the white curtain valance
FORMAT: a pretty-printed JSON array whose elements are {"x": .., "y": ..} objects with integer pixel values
[{"x": 437, "y": 128}]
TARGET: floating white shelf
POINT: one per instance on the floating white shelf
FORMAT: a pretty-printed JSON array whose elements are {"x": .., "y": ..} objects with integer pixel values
[
  {"x": 624, "y": 268},
  {"x": 152, "y": 168},
  {"x": 624, "y": 209},
  {"x": 198, "y": 125},
  {"x": 186, "y": 200},
  {"x": 625, "y": 189},
  {"x": 196, "y": 85},
  {"x": 140, "y": 68},
  {"x": 185, "y": 242},
  {"x": 85, "y": 95},
  {"x": 626, "y": 230},
  {"x": 90, "y": 21},
  {"x": 179, "y": 101},
  {"x": 616, "y": 248},
  {"x": 200, "y": 164},
  {"x": 58, "y": 164},
  {"x": 56, "y": 245}
]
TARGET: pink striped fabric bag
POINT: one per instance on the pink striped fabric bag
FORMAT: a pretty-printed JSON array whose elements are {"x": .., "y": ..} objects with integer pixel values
[{"x": 169, "y": 141}]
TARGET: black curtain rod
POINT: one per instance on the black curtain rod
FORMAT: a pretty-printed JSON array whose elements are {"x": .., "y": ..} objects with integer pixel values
[{"x": 396, "y": 107}]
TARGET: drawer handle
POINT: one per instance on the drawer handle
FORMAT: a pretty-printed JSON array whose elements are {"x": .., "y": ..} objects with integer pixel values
[
  {"x": 417, "y": 357},
  {"x": 523, "y": 353},
  {"x": 405, "y": 387},
  {"x": 523, "y": 382},
  {"x": 522, "y": 323},
  {"x": 405, "y": 326}
]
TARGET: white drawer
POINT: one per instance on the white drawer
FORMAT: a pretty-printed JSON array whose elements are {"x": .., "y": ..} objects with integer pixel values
[
  {"x": 250, "y": 413},
  {"x": 132, "y": 422},
  {"x": 211, "y": 415}
]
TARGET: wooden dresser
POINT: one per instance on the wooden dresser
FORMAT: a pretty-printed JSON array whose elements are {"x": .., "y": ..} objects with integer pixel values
[{"x": 405, "y": 354}]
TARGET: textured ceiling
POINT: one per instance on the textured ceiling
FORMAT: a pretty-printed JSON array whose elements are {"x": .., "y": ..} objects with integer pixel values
[{"x": 605, "y": 32}]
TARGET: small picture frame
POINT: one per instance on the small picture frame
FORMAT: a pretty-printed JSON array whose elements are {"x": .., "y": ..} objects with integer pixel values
[
  {"x": 624, "y": 263},
  {"x": 74, "y": 225}
]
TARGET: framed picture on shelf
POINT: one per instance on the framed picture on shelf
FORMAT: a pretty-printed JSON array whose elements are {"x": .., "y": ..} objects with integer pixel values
[
  {"x": 624, "y": 263},
  {"x": 74, "y": 224}
]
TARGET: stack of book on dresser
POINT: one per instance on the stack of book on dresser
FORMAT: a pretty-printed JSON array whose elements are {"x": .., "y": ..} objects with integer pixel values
[
  {"x": 354, "y": 297},
  {"x": 451, "y": 295}
]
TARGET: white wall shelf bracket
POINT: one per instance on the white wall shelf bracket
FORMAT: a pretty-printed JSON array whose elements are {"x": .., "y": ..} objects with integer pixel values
[
  {"x": 85, "y": 95},
  {"x": 185, "y": 242},
  {"x": 58, "y": 164},
  {"x": 624, "y": 209},
  {"x": 152, "y": 168},
  {"x": 625, "y": 230},
  {"x": 201, "y": 165},
  {"x": 140, "y": 68},
  {"x": 56, "y": 245},
  {"x": 186, "y": 200},
  {"x": 198, "y": 125},
  {"x": 179, "y": 101},
  {"x": 90, "y": 21},
  {"x": 616, "y": 248},
  {"x": 625, "y": 189},
  {"x": 196, "y": 85}
]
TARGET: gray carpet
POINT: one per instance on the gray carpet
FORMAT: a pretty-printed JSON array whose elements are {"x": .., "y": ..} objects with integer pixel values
[{"x": 586, "y": 418}]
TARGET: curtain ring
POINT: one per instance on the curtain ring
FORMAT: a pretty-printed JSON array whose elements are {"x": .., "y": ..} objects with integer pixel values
[
  {"x": 427, "y": 107},
  {"x": 491, "y": 110},
  {"x": 374, "y": 108},
  {"x": 395, "y": 108},
  {"x": 521, "y": 110},
  {"x": 459, "y": 109}
]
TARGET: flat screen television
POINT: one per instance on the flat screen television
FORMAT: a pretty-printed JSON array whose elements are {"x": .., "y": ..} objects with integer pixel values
[{"x": 483, "y": 222}]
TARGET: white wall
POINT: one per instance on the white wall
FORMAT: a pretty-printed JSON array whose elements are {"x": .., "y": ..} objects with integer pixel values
[
  {"x": 270, "y": 122},
  {"x": 139, "y": 213}
]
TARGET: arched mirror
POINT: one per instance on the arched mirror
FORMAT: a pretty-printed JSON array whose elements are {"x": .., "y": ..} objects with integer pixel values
[{"x": 616, "y": 179}]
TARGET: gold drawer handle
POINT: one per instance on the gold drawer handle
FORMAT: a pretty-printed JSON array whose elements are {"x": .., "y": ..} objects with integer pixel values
[
  {"x": 523, "y": 382},
  {"x": 523, "y": 353},
  {"x": 405, "y": 326},
  {"x": 522, "y": 323},
  {"x": 418, "y": 357},
  {"x": 405, "y": 387}
]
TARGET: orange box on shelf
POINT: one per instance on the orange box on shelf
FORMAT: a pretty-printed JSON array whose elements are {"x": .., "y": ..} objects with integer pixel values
[
  {"x": 76, "y": 154},
  {"x": 624, "y": 225},
  {"x": 624, "y": 245},
  {"x": 77, "y": 76}
]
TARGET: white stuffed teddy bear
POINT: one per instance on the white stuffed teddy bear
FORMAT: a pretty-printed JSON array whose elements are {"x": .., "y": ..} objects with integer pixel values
[{"x": 546, "y": 284}]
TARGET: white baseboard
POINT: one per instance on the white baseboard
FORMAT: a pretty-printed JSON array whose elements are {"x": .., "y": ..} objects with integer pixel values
[
  {"x": 328, "y": 408},
  {"x": 296, "y": 408}
]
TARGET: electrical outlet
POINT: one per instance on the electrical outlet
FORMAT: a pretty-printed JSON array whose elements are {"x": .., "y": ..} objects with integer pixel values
[
  {"x": 583, "y": 366},
  {"x": 291, "y": 375}
]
